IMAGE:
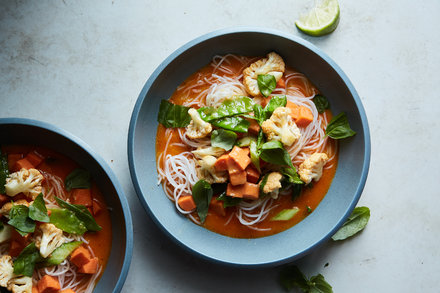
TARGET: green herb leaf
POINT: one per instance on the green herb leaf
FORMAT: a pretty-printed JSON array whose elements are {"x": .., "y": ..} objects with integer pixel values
[
  {"x": 266, "y": 83},
  {"x": 4, "y": 172},
  {"x": 61, "y": 253},
  {"x": 202, "y": 194},
  {"x": 67, "y": 221},
  {"x": 25, "y": 262},
  {"x": 237, "y": 124},
  {"x": 82, "y": 213},
  {"x": 291, "y": 276},
  {"x": 321, "y": 103},
  {"x": 273, "y": 152},
  {"x": 259, "y": 113},
  {"x": 224, "y": 139},
  {"x": 339, "y": 127},
  {"x": 318, "y": 284},
  {"x": 285, "y": 214},
  {"x": 78, "y": 178},
  {"x": 275, "y": 102},
  {"x": 291, "y": 175},
  {"x": 172, "y": 116},
  {"x": 296, "y": 190},
  {"x": 228, "y": 108},
  {"x": 19, "y": 219},
  {"x": 255, "y": 157},
  {"x": 38, "y": 211},
  {"x": 355, "y": 223},
  {"x": 228, "y": 201}
]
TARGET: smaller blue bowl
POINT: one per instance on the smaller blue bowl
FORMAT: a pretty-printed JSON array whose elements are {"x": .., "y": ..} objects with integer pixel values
[
  {"x": 347, "y": 185},
  {"x": 26, "y": 131}
]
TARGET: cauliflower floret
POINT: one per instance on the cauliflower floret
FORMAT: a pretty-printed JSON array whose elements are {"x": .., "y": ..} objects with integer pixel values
[
  {"x": 51, "y": 238},
  {"x": 6, "y": 208},
  {"x": 311, "y": 168},
  {"x": 197, "y": 128},
  {"x": 6, "y": 270},
  {"x": 208, "y": 151},
  {"x": 273, "y": 65},
  {"x": 222, "y": 92},
  {"x": 26, "y": 181},
  {"x": 207, "y": 171},
  {"x": 20, "y": 284},
  {"x": 273, "y": 184},
  {"x": 281, "y": 127}
]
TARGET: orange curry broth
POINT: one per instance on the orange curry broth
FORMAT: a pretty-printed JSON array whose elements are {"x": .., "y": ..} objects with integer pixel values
[
  {"x": 310, "y": 196},
  {"x": 61, "y": 166}
]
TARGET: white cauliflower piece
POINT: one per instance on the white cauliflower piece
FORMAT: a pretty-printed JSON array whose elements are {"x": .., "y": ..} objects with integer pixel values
[
  {"x": 208, "y": 151},
  {"x": 273, "y": 65},
  {"x": 6, "y": 270},
  {"x": 311, "y": 168},
  {"x": 197, "y": 128},
  {"x": 223, "y": 92},
  {"x": 6, "y": 208},
  {"x": 206, "y": 171},
  {"x": 20, "y": 284},
  {"x": 26, "y": 181},
  {"x": 273, "y": 184},
  {"x": 48, "y": 239},
  {"x": 281, "y": 127}
]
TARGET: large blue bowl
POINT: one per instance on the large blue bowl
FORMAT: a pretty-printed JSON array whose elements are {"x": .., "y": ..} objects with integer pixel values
[
  {"x": 347, "y": 184},
  {"x": 26, "y": 131}
]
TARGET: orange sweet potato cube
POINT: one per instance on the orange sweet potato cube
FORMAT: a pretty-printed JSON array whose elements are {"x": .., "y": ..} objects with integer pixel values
[
  {"x": 252, "y": 174},
  {"x": 80, "y": 256},
  {"x": 222, "y": 163},
  {"x": 294, "y": 110},
  {"x": 96, "y": 208},
  {"x": 82, "y": 197},
  {"x": 48, "y": 284},
  {"x": 34, "y": 158},
  {"x": 23, "y": 163},
  {"x": 240, "y": 157},
  {"x": 91, "y": 267},
  {"x": 251, "y": 191},
  {"x": 235, "y": 190},
  {"x": 237, "y": 178},
  {"x": 186, "y": 202},
  {"x": 305, "y": 117},
  {"x": 35, "y": 289},
  {"x": 217, "y": 207}
]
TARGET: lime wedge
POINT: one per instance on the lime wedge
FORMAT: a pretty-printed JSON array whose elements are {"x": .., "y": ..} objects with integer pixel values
[{"x": 321, "y": 20}]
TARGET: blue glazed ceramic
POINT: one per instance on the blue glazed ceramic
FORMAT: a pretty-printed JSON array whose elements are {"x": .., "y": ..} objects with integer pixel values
[
  {"x": 348, "y": 183},
  {"x": 24, "y": 131}
]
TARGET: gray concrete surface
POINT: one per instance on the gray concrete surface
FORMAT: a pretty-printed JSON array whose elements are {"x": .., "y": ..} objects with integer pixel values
[{"x": 81, "y": 64}]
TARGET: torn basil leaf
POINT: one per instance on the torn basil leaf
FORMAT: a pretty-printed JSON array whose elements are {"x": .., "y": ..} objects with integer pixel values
[
  {"x": 202, "y": 194},
  {"x": 291, "y": 175},
  {"x": 273, "y": 152},
  {"x": 275, "y": 102},
  {"x": 38, "y": 210},
  {"x": 237, "y": 124},
  {"x": 61, "y": 253},
  {"x": 266, "y": 84},
  {"x": 67, "y": 221},
  {"x": 285, "y": 214},
  {"x": 19, "y": 219},
  {"x": 82, "y": 213},
  {"x": 291, "y": 277},
  {"x": 78, "y": 178},
  {"x": 24, "y": 264},
  {"x": 355, "y": 223},
  {"x": 339, "y": 127},
  {"x": 171, "y": 115},
  {"x": 228, "y": 201},
  {"x": 224, "y": 139},
  {"x": 4, "y": 172},
  {"x": 321, "y": 103}
]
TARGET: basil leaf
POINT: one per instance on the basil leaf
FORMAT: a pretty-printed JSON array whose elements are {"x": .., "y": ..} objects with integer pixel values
[
  {"x": 4, "y": 172},
  {"x": 202, "y": 194},
  {"x": 275, "y": 102},
  {"x": 259, "y": 113},
  {"x": 291, "y": 276},
  {"x": 78, "y": 178},
  {"x": 318, "y": 284},
  {"x": 273, "y": 152},
  {"x": 260, "y": 139},
  {"x": 25, "y": 262},
  {"x": 285, "y": 214},
  {"x": 291, "y": 175},
  {"x": 224, "y": 139},
  {"x": 239, "y": 105},
  {"x": 355, "y": 223},
  {"x": 38, "y": 211},
  {"x": 228, "y": 201},
  {"x": 61, "y": 253},
  {"x": 172, "y": 116},
  {"x": 266, "y": 84},
  {"x": 339, "y": 127},
  {"x": 236, "y": 124},
  {"x": 321, "y": 103},
  {"x": 255, "y": 157},
  {"x": 19, "y": 219},
  {"x": 82, "y": 213},
  {"x": 67, "y": 221}
]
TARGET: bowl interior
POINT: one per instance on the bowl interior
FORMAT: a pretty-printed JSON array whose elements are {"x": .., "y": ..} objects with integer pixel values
[
  {"x": 33, "y": 133},
  {"x": 347, "y": 183}
]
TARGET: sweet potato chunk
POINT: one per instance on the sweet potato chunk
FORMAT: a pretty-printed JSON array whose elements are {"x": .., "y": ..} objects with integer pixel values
[
  {"x": 217, "y": 207},
  {"x": 80, "y": 256},
  {"x": 48, "y": 284},
  {"x": 240, "y": 157},
  {"x": 305, "y": 117},
  {"x": 252, "y": 174},
  {"x": 23, "y": 163},
  {"x": 222, "y": 163},
  {"x": 247, "y": 190},
  {"x": 186, "y": 202},
  {"x": 96, "y": 208},
  {"x": 34, "y": 158},
  {"x": 91, "y": 267}
]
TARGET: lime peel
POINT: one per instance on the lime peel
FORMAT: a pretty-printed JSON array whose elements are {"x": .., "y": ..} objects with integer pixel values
[{"x": 321, "y": 20}]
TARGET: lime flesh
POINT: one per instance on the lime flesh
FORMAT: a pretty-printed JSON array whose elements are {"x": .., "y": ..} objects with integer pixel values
[{"x": 321, "y": 20}]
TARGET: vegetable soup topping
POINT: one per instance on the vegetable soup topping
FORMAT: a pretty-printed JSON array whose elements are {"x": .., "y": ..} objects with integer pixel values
[
  {"x": 55, "y": 229},
  {"x": 246, "y": 147}
]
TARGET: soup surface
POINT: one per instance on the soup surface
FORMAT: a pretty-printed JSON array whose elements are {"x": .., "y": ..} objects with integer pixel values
[{"x": 179, "y": 166}]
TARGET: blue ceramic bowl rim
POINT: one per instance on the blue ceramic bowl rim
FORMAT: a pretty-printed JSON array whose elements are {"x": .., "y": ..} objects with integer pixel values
[
  {"x": 110, "y": 174},
  {"x": 252, "y": 29}
]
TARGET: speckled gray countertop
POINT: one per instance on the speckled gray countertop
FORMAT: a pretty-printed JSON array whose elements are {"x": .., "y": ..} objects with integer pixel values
[{"x": 80, "y": 65}]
